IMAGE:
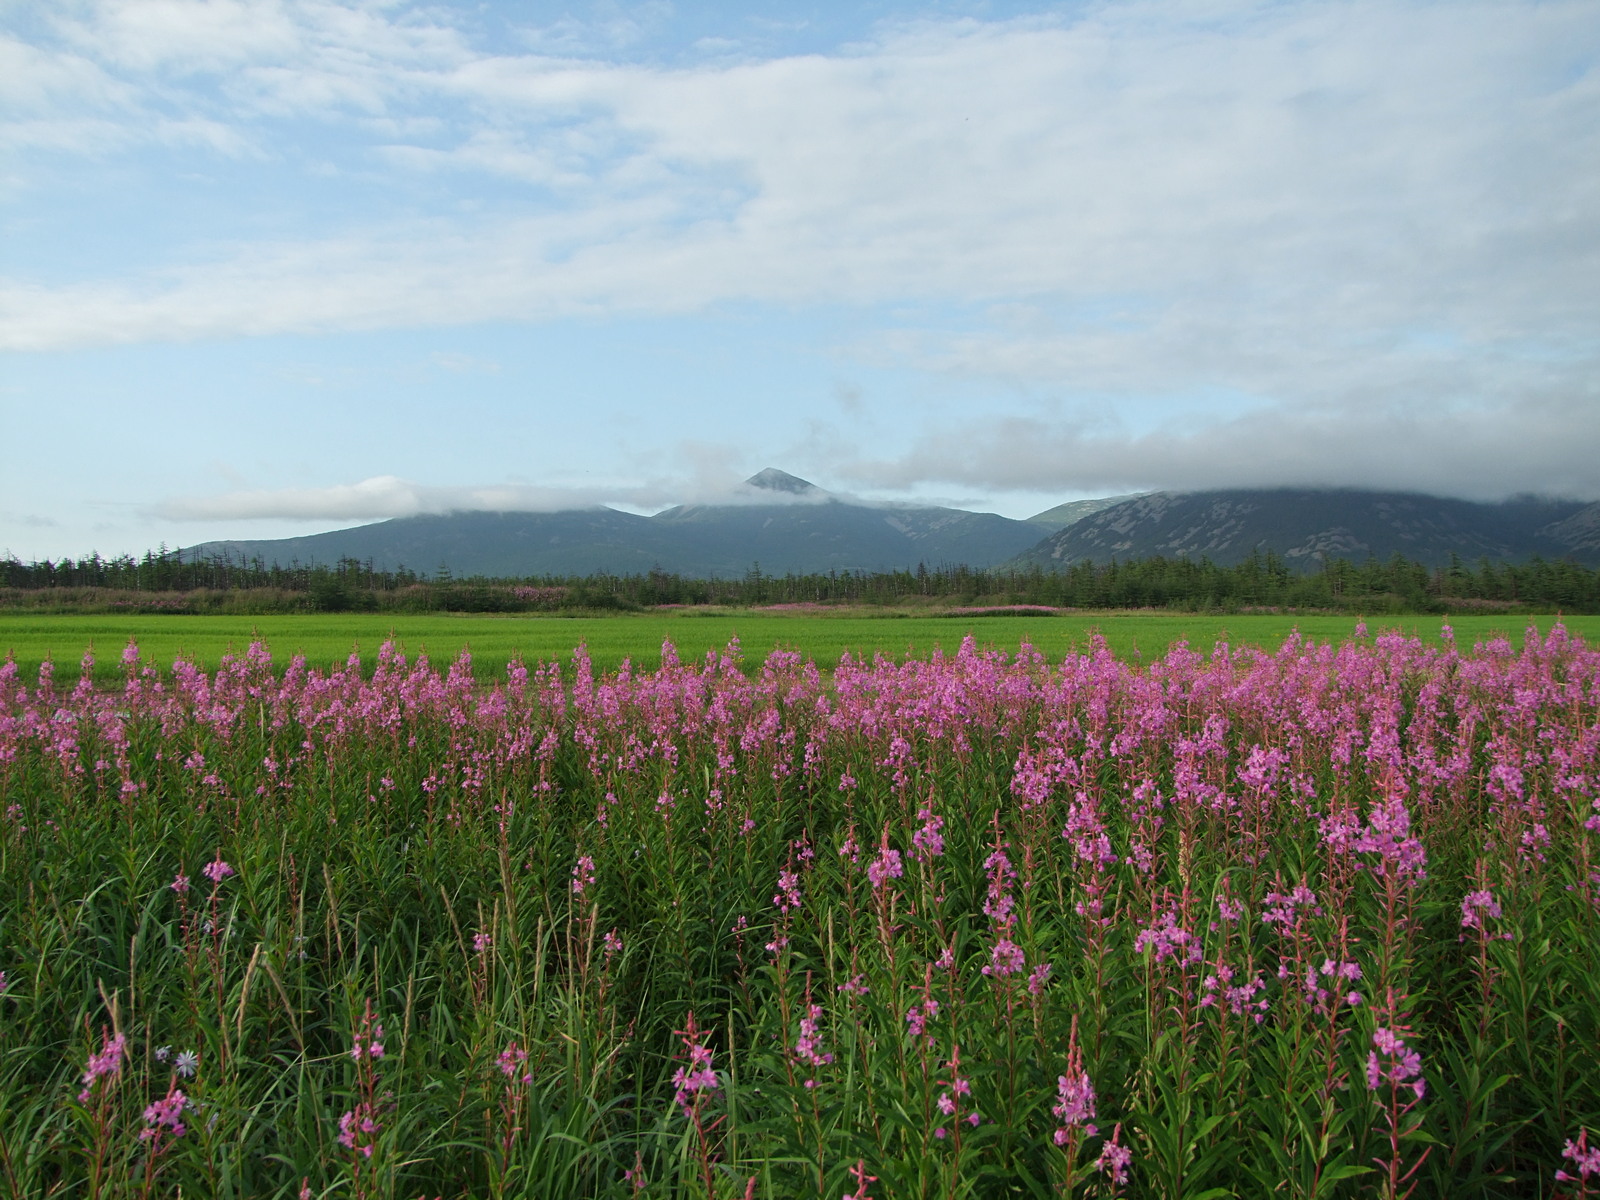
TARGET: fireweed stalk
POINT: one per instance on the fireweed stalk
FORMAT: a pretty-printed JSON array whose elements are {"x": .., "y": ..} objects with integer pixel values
[
  {"x": 1394, "y": 1076},
  {"x": 359, "y": 1127},
  {"x": 696, "y": 1083},
  {"x": 101, "y": 1079}
]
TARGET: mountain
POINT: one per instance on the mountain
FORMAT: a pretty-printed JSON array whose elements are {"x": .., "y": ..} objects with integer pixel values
[
  {"x": 1306, "y": 525},
  {"x": 779, "y": 521},
  {"x": 577, "y": 542},
  {"x": 1073, "y": 511}
]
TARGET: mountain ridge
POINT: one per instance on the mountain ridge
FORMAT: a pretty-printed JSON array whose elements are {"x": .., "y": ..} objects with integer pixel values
[
  {"x": 1306, "y": 526},
  {"x": 787, "y": 525}
]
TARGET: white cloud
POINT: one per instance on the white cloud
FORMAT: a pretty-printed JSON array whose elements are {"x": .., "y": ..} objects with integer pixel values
[
  {"x": 1355, "y": 214},
  {"x": 1475, "y": 452},
  {"x": 371, "y": 499},
  {"x": 1285, "y": 156},
  {"x": 708, "y": 474}
]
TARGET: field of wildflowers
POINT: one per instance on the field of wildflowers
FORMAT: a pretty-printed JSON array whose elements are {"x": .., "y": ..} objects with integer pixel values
[{"x": 1318, "y": 922}]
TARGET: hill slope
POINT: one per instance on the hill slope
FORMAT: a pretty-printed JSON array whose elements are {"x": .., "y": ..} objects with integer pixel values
[
  {"x": 784, "y": 523},
  {"x": 1306, "y": 525}
]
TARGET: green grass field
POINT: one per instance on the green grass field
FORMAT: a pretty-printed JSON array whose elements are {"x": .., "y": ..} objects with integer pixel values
[{"x": 824, "y": 637}]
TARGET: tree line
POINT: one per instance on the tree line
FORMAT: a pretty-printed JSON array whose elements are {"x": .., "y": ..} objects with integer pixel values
[{"x": 175, "y": 581}]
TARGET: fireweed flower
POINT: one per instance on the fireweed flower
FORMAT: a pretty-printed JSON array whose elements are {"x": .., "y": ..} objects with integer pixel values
[
  {"x": 180, "y": 884},
  {"x": 1037, "y": 980},
  {"x": 808, "y": 1049},
  {"x": 1169, "y": 940},
  {"x": 1283, "y": 911},
  {"x": 950, "y": 1101},
  {"x": 1074, "y": 1105},
  {"x": 1475, "y": 908},
  {"x": 216, "y": 870},
  {"x": 106, "y": 1063},
  {"x": 1399, "y": 1065},
  {"x": 1005, "y": 959},
  {"x": 928, "y": 840},
  {"x": 582, "y": 874},
  {"x": 163, "y": 1119},
  {"x": 368, "y": 1040},
  {"x": 998, "y": 905},
  {"x": 1115, "y": 1158},
  {"x": 787, "y": 898},
  {"x": 358, "y": 1130},
  {"x": 1335, "y": 975},
  {"x": 886, "y": 866},
  {"x": 920, "y": 1016},
  {"x": 1584, "y": 1158},
  {"x": 511, "y": 1060},
  {"x": 695, "y": 1081},
  {"x": 1238, "y": 999}
]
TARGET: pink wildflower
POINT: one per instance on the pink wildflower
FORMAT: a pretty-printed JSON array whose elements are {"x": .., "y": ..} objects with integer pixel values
[
  {"x": 106, "y": 1063},
  {"x": 511, "y": 1060},
  {"x": 885, "y": 867},
  {"x": 216, "y": 870},
  {"x": 163, "y": 1118},
  {"x": 582, "y": 874},
  {"x": 357, "y": 1130},
  {"x": 928, "y": 840},
  {"x": 368, "y": 1040},
  {"x": 1006, "y": 958},
  {"x": 697, "y": 1080},
  {"x": 1115, "y": 1159},
  {"x": 808, "y": 1046},
  {"x": 1399, "y": 1065},
  {"x": 787, "y": 898},
  {"x": 1475, "y": 907},
  {"x": 1584, "y": 1157}
]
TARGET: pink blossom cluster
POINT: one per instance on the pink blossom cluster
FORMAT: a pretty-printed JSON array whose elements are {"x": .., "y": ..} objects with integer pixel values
[
  {"x": 105, "y": 1063},
  {"x": 164, "y": 1118},
  {"x": 1584, "y": 1158},
  {"x": 1391, "y": 1061},
  {"x": 697, "y": 1080},
  {"x": 358, "y": 1129},
  {"x": 808, "y": 1047}
]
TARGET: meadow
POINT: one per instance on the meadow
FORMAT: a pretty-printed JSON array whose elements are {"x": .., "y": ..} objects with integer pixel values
[
  {"x": 1316, "y": 916},
  {"x": 822, "y": 634}
]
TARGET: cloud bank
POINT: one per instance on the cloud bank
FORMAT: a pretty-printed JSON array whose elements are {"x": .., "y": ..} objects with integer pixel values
[
  {"x": 386, "y": 496},
  {"x": 1370, "y": 225}
]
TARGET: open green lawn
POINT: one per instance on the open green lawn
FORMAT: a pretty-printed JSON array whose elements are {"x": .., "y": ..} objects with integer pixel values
[{"x": 327, "y": 639}]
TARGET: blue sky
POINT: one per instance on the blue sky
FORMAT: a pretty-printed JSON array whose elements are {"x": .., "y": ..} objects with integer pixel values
[{"x": 275, "y": 266}]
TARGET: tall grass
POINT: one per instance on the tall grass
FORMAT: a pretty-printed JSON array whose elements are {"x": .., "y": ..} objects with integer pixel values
[{"x": 1322, "y": 922}]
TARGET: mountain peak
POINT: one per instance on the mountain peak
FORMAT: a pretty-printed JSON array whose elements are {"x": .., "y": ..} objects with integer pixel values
[{"x": 773, "y": 480}]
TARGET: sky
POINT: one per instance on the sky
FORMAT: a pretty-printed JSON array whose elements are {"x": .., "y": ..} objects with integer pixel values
[{"x": 270, "y": 267}]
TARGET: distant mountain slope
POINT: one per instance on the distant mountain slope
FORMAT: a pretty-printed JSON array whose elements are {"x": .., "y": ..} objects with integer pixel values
[
  {"x": 579, "y": 542},
  {"x": 1073, "y": 511},
  {"x": 802, "y": 530},
  {"x": 1305, "y": 525}
]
